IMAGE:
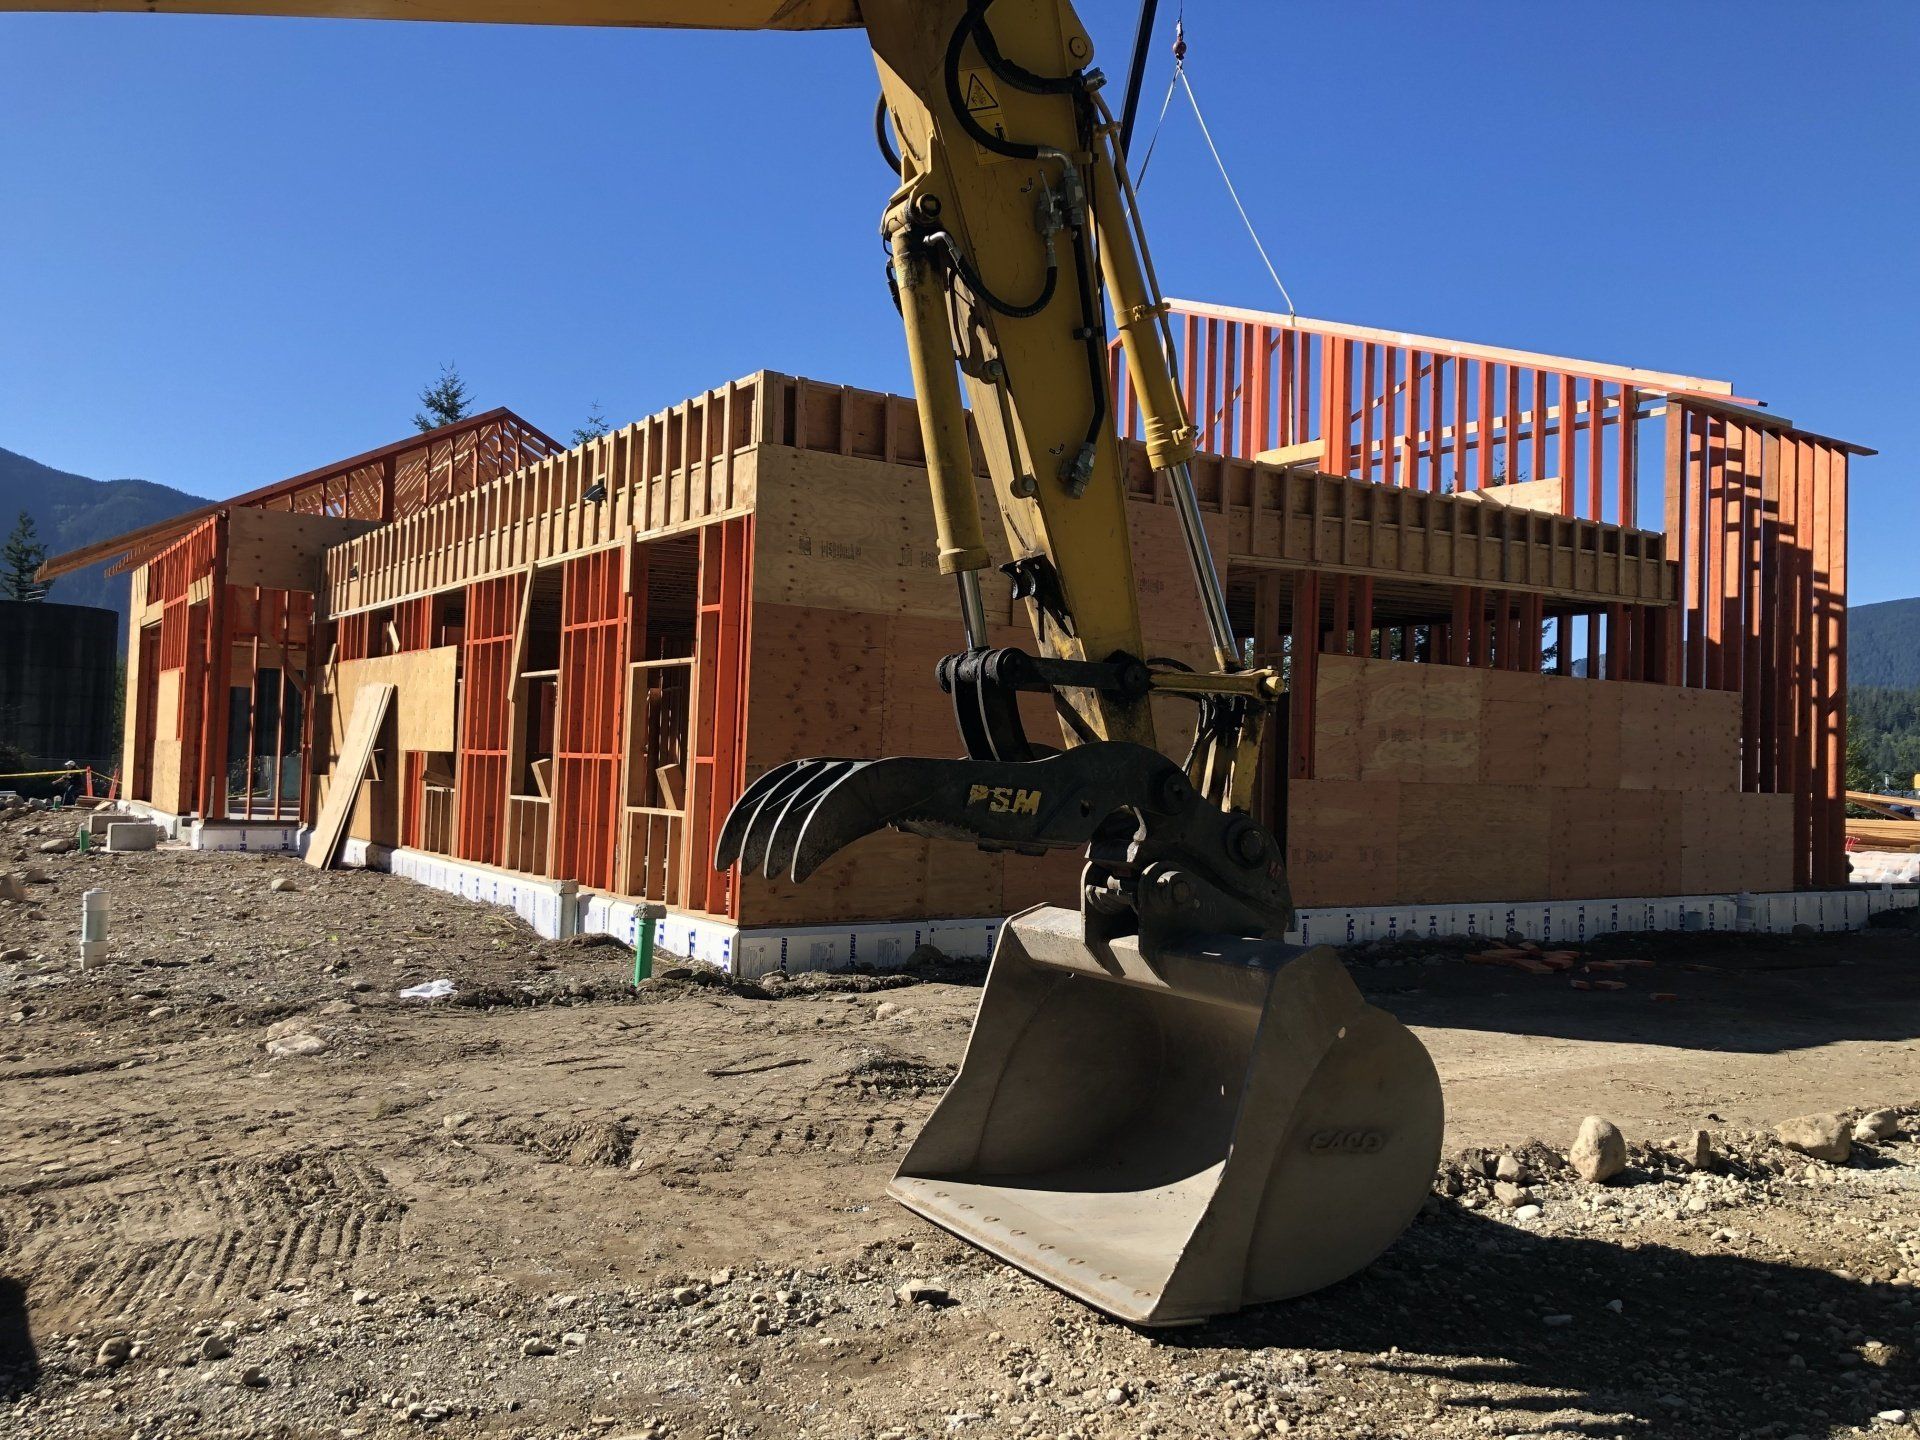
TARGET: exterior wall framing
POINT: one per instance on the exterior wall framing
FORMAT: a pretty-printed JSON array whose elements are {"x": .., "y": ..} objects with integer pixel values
[
  {"x": 814, "y": 611},
  {"x": 639, "y": 626}
]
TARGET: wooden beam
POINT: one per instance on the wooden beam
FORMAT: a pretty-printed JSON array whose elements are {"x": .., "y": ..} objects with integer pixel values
[{"x": 1462, "y": 349}]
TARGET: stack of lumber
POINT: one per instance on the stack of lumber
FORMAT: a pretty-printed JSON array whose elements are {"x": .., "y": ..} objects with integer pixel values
[{"x": 1893, "y": 828}]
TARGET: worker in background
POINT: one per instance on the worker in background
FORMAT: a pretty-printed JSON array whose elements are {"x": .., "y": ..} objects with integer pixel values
[{"x": 69, "y": 792}]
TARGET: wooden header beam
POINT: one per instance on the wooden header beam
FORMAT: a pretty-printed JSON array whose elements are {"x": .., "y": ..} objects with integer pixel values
[{"x": 1431, "y": 344}]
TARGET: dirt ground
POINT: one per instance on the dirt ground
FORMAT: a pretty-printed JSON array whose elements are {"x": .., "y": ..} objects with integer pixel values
[{"x": 552, "y": 1207}]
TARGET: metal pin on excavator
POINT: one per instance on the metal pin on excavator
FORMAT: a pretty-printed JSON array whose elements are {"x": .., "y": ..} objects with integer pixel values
[{"x": 1163, "y": 1110}]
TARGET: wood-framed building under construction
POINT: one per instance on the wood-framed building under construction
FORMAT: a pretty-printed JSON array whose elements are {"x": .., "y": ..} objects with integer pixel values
[{"x": 1503, "y": 688}]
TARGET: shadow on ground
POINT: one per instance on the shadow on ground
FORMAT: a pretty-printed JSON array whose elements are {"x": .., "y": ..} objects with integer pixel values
[
  {"x": 1746, "y": 994},
  {"x": 19, "y": 1360},
  {"x": 1466, "y": 1299}
]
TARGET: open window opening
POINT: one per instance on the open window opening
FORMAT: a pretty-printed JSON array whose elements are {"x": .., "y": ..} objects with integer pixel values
[
  {"x": 665, "y": 622},
  {"x": 536, "y": 696}
]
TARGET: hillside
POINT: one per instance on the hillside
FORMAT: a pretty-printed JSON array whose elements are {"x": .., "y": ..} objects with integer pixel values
[
  {"x": 1883, "y": 644},
  {"x": 71, "y": 511}
]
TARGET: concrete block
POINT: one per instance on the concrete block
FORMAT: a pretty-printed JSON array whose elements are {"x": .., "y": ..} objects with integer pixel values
[
  {"x": 96, "y": 824},
  {"x": 124, "y": 835}
]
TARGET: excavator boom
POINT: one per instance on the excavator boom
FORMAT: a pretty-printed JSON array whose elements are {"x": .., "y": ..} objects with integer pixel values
[
  {"x": 627, "y": 14},
  {"x": 1163, "y": 1110}
]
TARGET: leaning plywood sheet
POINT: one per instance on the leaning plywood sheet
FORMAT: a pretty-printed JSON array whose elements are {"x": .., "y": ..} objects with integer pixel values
[
  {"x": 425, "y": 682},
  {"x": 356, "y": 755}
]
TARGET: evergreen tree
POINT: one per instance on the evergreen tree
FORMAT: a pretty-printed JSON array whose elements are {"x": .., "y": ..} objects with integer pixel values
[
  {"x": 447, "y": 400},
  {"x": 23, "y": 556},
  {"x": 595, "y": 427},
  {"x": 1859, "y": 775}
]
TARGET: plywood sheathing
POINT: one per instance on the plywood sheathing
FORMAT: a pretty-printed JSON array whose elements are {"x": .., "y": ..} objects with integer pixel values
[
  {"x": 166, "y": 740},
  {"x": 424, "y": 703},
  {"x": 423, "y": 720},
  {"x": 849, "y": 610},
  {"x": 279, "y": 550},
  {"x": 1438, "y": 784},
  {"x": 850, "y": 615},
  {"x": 1295, "y": 519},
  {"x": 134, "y": 726}
]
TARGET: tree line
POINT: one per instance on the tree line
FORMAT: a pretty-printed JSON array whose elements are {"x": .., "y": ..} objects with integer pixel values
[{"x": 1883, "y": 737}]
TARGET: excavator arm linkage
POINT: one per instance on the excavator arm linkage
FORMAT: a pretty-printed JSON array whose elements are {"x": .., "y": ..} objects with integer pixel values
[{"x": 1163, "y": 1110}]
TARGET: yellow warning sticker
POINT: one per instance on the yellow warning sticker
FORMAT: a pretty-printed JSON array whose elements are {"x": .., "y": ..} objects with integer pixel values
[{"x": 977, "y": 93}]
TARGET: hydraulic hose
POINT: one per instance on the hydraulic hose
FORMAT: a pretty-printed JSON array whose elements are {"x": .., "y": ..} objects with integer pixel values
[
  {"x": 973, "y": 25},
  {"x": 974, "y": 283},
  {"x": 1015, "y": 75},
  {"x": 969, "y": 22},
  {"x": 880, "y": 134}
]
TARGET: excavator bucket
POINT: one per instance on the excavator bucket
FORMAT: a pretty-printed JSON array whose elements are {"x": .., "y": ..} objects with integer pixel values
[{"x": 1172, "y": 1138}]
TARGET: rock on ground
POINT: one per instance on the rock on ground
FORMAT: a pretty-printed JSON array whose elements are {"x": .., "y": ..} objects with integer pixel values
[
  {"x": 1510, "y": 1195},
  {"x": 1824, "y": 1137},
  {"x": 1876, "y": 1125},
  {"x": 1699, "y": 1151},
  {"x": 1599, "y": 1150},
  {"x": 299, "y": 1042}
]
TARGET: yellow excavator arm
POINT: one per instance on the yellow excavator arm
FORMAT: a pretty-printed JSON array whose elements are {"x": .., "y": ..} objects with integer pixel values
[
  {"x": 629, "y": 14},
  {"x": 1162, "y": 1111}
]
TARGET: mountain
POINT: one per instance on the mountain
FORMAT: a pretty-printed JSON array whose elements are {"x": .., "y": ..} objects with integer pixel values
[
  {"x": 1883, "y": 644},
  {"x": 70, "y": 511}
]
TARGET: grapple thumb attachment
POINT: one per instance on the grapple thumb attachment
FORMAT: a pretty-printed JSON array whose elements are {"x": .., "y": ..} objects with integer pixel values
[{"x": 797, "y": 815}]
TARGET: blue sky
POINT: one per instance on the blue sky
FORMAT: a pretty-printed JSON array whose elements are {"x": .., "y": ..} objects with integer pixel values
[{"x": 234, "y": 249}]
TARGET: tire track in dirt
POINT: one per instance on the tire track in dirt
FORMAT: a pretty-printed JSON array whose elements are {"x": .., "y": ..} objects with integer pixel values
[
  {"x": 714, "y": 1135},
  {"x": 195, "y": 1237}
]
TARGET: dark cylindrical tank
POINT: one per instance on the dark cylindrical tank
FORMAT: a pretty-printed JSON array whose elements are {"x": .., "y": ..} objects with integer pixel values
[{"x": 59, "y": 671}]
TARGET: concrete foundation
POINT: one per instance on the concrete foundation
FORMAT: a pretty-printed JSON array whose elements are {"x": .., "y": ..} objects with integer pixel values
[
  {"x": 551, "y": 907},
  {"x": 559, "y": 908},
  {"x": 244, "y": 835}
]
